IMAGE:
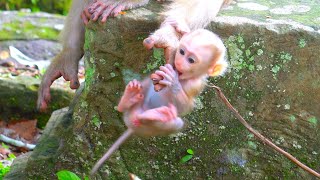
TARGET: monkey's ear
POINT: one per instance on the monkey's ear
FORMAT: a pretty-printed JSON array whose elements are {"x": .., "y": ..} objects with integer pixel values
[{"x": 218, "y": 69}]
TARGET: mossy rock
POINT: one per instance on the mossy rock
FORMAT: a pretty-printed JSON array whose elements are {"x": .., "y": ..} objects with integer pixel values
[
  {"x": 18, "y": 100},
  {"x": 51, "y": 6},
  {"x": 19, "y": 25}
]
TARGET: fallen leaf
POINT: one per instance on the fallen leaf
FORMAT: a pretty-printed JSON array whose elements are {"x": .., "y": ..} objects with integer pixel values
[
  {"x": 26, "y": 129},
  {"x": 4, "y": 153}
]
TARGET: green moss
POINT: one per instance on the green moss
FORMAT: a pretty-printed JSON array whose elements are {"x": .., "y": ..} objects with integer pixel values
[
  {"x": 119, "y": 45},
  {"x": 275, "y": 69},
  {"x": 22, "y": 14},
  {"x": 90, "y": 71},
  {"x": 52, "y": 6},
  {"x": 89, "y": 34},
  {"x": 241, "y": 55},
  {"x": 96, "y": 121},
  {"x": 42, "y": 120},
  {"x": 292, "y": 118},
  {"x": 156, "y": 61},
  {"x": 142, "y": 37},
  {"x": 26, "y": 30},
  {"x": 284, "y": 57},
  {"x": 313, "y": 120},
  {"x": 252, "y": 145},
  {"x": 302, "y": 43}
]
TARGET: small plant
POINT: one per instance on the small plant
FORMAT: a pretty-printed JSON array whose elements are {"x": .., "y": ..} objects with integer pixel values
[
  {"x": 5, "y": 146},
  {"x": 68, "y": 175},
  {"x": 187, "y": 157},
  {"x": 3, "y": 170}
]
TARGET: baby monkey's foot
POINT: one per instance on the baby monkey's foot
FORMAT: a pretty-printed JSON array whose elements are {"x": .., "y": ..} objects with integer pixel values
[
  {"x": 133, "y": 94},
  {"x": 133, "y": 91},
  {"x": 136, "y": 122}
]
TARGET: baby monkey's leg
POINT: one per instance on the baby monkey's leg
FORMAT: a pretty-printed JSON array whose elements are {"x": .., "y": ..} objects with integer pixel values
[
  {"x": 163, "y": 120},
  {"x": 162, "y": 114}
]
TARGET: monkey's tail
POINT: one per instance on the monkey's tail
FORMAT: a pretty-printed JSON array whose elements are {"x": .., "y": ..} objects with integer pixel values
[{"x": 113, "y": 148}]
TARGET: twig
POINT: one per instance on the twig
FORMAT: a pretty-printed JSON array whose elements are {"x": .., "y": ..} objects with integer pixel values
[
  {"x": 16, "y": 142},
  {"x": 27, "y": 69},
  {"x": 260, "y": 136}
]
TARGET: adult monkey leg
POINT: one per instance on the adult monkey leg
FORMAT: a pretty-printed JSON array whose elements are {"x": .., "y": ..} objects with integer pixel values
[{"x": 65, "y": 64}]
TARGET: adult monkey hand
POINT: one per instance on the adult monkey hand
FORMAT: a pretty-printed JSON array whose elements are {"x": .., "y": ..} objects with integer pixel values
[{"x": 65, "y": 64}]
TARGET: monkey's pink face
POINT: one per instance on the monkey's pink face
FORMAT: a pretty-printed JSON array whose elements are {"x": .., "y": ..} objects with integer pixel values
[{"x": 192, "y": 59}]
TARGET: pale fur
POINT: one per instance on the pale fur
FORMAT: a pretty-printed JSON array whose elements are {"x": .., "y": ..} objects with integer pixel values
[{"x": 196, "y": 13}]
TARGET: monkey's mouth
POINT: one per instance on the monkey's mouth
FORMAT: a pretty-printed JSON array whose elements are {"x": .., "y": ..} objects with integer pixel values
[{"x": 179, "y": 73}]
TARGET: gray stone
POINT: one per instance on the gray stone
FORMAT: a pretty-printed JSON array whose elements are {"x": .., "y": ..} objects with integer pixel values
[
  {"x": 26, "y": 26},
  {"x": 35, "y": 49}
]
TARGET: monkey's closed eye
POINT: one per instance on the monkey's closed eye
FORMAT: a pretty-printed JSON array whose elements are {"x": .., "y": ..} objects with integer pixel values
[
  {"x": 191, "y": 60},
  {"x": 181, "y": 51}
]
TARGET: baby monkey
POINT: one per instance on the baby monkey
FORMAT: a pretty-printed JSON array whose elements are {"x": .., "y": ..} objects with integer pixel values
[{"x": 149, "y": 112}]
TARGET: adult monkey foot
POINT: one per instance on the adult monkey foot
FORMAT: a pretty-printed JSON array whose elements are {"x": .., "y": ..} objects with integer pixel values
[
  {"x": 63, "y": 66},
  {"x": 107, "y": 8}
]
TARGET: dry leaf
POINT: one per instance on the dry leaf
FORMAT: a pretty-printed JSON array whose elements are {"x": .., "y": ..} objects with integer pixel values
[{"x": 26, "y": 129}]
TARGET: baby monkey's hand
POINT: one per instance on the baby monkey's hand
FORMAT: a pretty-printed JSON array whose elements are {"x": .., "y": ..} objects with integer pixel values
[
  {"x": 155, "y": 80},
  {"x": 165, "y": 77}
]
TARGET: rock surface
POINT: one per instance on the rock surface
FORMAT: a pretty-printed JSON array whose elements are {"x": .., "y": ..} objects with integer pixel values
[
  {"x": 52, "y": 6},
  {"x": 18, "y": 99},
  {"x": 24, "y": 25},
  {"x": 19, "y": 93},
  {"x": 273, "y": 82}
]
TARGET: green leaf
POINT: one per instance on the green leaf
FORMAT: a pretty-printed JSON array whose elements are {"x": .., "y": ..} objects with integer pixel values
[
  {"x": 186, "y": 158},
  {"x": 12, "y": 156},
  {"x": 3, "y": 170},
  {"x": 157, "y": 53},
  {"x": 190, "y": 151},
  {"x": 34, "y": 1},
  {"x": 4, "y": 146},
  {"x": 67, "y": 175},
  {"x": 248, "y": 53},
  {"x": 252, "y": 145}
]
